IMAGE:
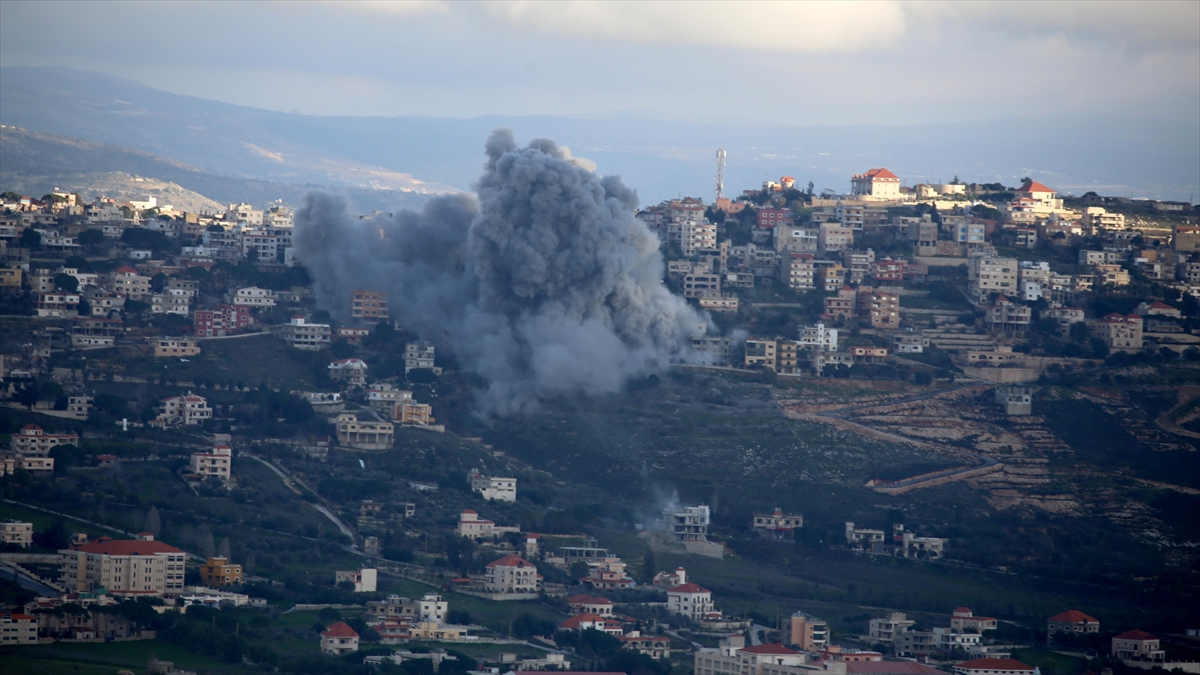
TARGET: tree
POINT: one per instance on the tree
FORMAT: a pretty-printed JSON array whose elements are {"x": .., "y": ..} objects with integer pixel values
[
  {"x": 579, "y": 570},
  {"x": 31, "y": 239},
  {"x": 158, "y": 282},
  {"x": 341, "y": 349},
  {"x": 153, "y": 522},
  {"x": 321, "y": 316},
  {"x": 1079, "y": 332},
  {"x": 223, "y": 550},
  {"x": 208, "y": 548},
  {"x": 28, "y": 395},
  {"x": 66, "y": 282},
  {"x": 90, "y": 237},
  {"x": 648, "y": 566}
]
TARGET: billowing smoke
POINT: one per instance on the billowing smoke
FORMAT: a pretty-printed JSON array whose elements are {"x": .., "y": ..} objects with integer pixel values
[{"x": 545, "y": 286}]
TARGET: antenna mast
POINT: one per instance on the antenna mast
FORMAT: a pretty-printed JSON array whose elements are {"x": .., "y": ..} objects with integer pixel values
[{"x": 720, "y": 173}]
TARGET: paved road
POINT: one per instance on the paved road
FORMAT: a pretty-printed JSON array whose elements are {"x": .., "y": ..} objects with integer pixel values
[{"x": 287, "y": 480}]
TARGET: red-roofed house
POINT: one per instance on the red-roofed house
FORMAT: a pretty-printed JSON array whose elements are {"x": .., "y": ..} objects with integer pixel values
[
  {"x": 32, "y": 440},
  {"x": 964, "y": 620},
  {"x": 338, "y": 639},
  {"x": 1158, "y": 309},
  {"x": 879, "y": 183},
  {"x": 124, "y": 567},
  {"x": 654, "y": 646},
  {"x": 187, "y": 410},
  {"x": 587, "y": 604},
  {"x": 586, "y": 620},
  {"x": 1072, "y": 621},
  {"x": 511, "y": 574},
  {"x": 18, "y": 629},
  {"x": 1138, "y": 646},
  {"x": 690, "y": 600},
  {"x": 993, "y": 667},
  {"x": 1120, "y": 332}
]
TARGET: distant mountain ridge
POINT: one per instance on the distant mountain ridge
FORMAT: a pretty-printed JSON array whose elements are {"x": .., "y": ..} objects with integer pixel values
[{"x": 1074, "y": 153}]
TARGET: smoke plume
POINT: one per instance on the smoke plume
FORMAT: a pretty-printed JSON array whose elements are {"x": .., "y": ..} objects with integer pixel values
[{"x": 546, "y": 285}]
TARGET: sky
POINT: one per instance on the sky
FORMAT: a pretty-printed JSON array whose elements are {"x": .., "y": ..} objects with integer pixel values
[{"x": 752, "y": 63}]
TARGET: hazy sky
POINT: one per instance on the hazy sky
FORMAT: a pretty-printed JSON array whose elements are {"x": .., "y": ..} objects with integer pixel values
[{"x": 747, "y": 62}]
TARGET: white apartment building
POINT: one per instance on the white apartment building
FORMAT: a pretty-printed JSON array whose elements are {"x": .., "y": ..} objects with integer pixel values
[
  {"x": 698, "y": 235},
  {"x": 253, "y": 296},
  {"x": 886, "y": 629},
  {"x": 796, "y": 271},
  {"x": 988, "y": 275},
  {"x": 216, "y": 463},
  {"x": 365, "y": 580},
  {"x": 300, "y": 334},
  {"x": 690, "y": 600},
  {"x": 16, "y": 533},
  {"x": 352, "y": 372},
  {"x": 502, "y": 489},
  {"x": 129, "y": 282},
  {"x": 511, "y": 574},
  {"x": 818, "y": 338},
  {"x": 879, "y": 183},
  {"x": 420, "y": 354},
  {"x": 698, "y": 285},
  {"x": 125, "y": 567},
  {"x": 187, "y": 410},
  {"x": 1097, "y": 218},
  {"x": 688, "y": 523},
  {"x": 834, "y": 237}
]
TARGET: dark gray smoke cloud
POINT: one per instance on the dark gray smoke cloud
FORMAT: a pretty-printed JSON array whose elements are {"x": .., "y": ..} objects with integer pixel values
[{"x": 546, "y": 285}]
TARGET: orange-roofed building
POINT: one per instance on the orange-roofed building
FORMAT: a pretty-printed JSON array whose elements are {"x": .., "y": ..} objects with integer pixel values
[
  {"x": 879, "y": 183},
  {"x": 338, "y": 639},
  {"x": 1139, "y": 646},
  {"x": 511, "y": 574},
  {"x": 142, "y": 567},
  {"x": 690, "y": 600},
  {"x": 586, "y": 620},
  {"x": 18, "y": 629},
  {"x": 588, "y": 604},
  {"x": 993, "y": 667},
  {"x": 1072, "y": 621}
]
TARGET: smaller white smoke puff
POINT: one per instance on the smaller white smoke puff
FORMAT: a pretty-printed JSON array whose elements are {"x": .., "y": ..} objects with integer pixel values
[{"x": 548, "y": 286}]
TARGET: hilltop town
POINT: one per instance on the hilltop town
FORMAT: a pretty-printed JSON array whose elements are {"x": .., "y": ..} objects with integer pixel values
[{"x": 930, "y": 429}]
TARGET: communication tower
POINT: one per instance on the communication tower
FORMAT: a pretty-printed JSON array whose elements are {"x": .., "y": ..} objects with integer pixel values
[{"x": 720, "y": 173}]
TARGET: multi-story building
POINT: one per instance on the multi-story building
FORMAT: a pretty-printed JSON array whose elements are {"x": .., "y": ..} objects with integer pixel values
[
  {"x": 988, "y": 275},
  {"x": 338, "y": 639},
  {"x": 32, "y": 440},
  {"x": 1072, "y": 621},
  {"x": 1096, "y": 218},
  {"x": 879, "y": 183},
  {"x": 18, "y": 629},
  {"x": 969, "y": 235},
  {"x": 833, "y": 237},
  {"x": 413, "y": 413},
  {"x": 889, "y": 628},
  {"x": 16, "y": 533},
  {"x": 253, "y": 296},
  {"x": 698, "y": 285},
  {"x": 174, "y": 347},
  {"x": 962, "y": 619},
  {"x": 1120, "y": 332},
  {"x": 880, "y": 308},
  {"x": 1007, "y": 317},
  {"x": 923, "y": 235},
  {"x": 420, "y": 354},
  {"x": 383, "y": 399},
  {"x": 187, "y": 410},
  {"x": 364, "y": 434},
  {"x": 687, "y": 523},
  {"x": 796, "y": 271},
  {"x": 770, "y": 218},
  {"x": 1111, "y": 274},
  {"x": 299, "y": 334},
  {"x": 369, "y": 305},
  {"x": 129, "y": 282},
  {"x": 170, "y": 302},
  {"x": 843, "y": 305},
  {"x": 500, "y": 488},
  {"x": 511, "y": 574},
  {"x": 1138, "y": 646},
  {"x": 777, "y": 525},
  {"x": 1186, "y": 238},
  {"x": 776, "y": 354},
  {"x": 858, "y": 265},
  {"x": 829, "y": 278},
  {"x": 57, "y": 305},
  {"x": 808, "y": 632},
  {"x": 352, "y": 372},
  {"x": 864, "y": 538},
  {"x": 142, "y": 567},
  {"x": 365, "y": 580},
  {"x": 217, "y": 463},
  {"x": 698, "y": 235},
  {"x": 218, "y": 571},
  {"x": 989, "y": 666},
  {"x": 690, "y": 600},
  {"x": 220, "y": 321}
]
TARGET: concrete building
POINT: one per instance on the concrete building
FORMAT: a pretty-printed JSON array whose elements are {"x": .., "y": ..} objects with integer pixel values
[
  {"x": 369, "y": 305},
  {"x": 511, "y": 574},
  {"x": 1138, "y": 647},
  {"x": 142, "y": 567},
  {"x": 587, "y": 604},
  {"x": 879, "y": 183},
  {"x": 701, "y": 285},
  {"x": 217, "y": 463},
  {"x": 175, "y": 347},
  {"x": 299, "y": 334},
  {"x": 420, "y": 354},
  {"x": 688, "y": 523},
  {"x": 18, "y": 629},
  {"x": 993, "y": 667},
  {"x": 129, "y": 282},
  {"x": 698, "y": 235},
  {"x": 253, "y": 296},
  {"x": 962, "y": 619},
  {"x": 778, "y": 355},
  {"x": 987, "y": 275},
  {"x": 888, "y": 629},
  {"x": 834, "y": 237},
  {"x": 188, "y": 410},
  {"x": 1096, "y": 218},
  {"x": 881, "y": 309},
  {"x": 1120, "y": 332},
  {"x": 691, "y": 601},
  {"x": 339, "y": 639},
  {"x": 350, "y": 372},
  {"x": 1072, "y": 621},
  {"x": 218, "y": 571},
  {"x": 500, "y": 488},
  {"x": 365, "y": 434},
  {"x": 471, "y": 526},
  {"x": 33, "y": 440},
  {"x": 365, "y": 580},
  {"x": 808, "y": 632},
  {"x": 843, "y": 305},
  {"x": 1007, "y": 317},
  {"x": 1016, "y": 400},
  {"x": 864, "y": 538},
  {"x": 15, "y": 533},
  {"x": 220, "y": 321},
  {"x": 777, "y": 525}
]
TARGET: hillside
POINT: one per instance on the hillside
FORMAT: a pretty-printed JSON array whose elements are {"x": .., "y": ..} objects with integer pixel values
[{"x": 34, "y": 163}]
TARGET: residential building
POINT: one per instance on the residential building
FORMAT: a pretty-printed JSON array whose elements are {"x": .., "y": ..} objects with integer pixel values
[
  {"x": 1072, "y": 621},
  {"x": 776, "y": 525},
  {"x": 1065, "y": 316},
  {"x": 338, "y": 639},
  {"x": 220, "y": 321},
  {"x": 141, "y": 567},
  {"x": 809, "y": 633},
  {"x": 969, "y": 235},
  {"x": 834, "y": 237},
  {"x": 796, "y": 271},
  {"x": 175, "y": 347},
  {"x": 690, "y": 600},
  {"x": 864, "y": 538},
  {"x": 500, "y": 488},
  {"x": 587, "y": 620},
  {"x": 726, "y": 302},
  {"x": 411, "y": 413},
  {"x": 369, "y": 305},
  {"x": 1015, "y": 399},
  {"x": 858, "y": 265},
  {"x": 909, "y": 343},
  {"x": 1100, "y": 257},
  {"x": 253, "y": 296},
  {"x": 1111, "y": 274},
  {"x": 1158, "y": 309},
  {"x": 587, "y": 604},
  {"x": 365, "y": 434},
  {"x": 923, "y": 236},
  {"x": 998, "y": 357},
  {"x": 351, "y": 372},
  {"x": 188, "y": 410},
  {"x": 777, "y": 354},
  {"x": 843, "y": 305},
  {"x": 948, "y": 639},
  {"x": 880, "y": 308},
  {"x": 471, "y": 526},
  {"x": 420, "y": 354},
  {"x": 57, "y": 305},
  {"x": 687, "y": 523},
  {"x": 300, "y": 334},
  {"x": 1120, "y": 332},
  {"x": 383, "y": 399},
  {"x": 218, "y": 571},
  {"x": 888, "y": 272},
  {"x": 18, "y": 629},
  {"x": 365, "y": 580},
  {"x": 129, "y": 282},
  {"x": 170, "y": 302},
  {"x": 32, "y": 440},
  {"x": 818, "y": 338},
  {"x": 1138, "y": 646},
  {"x": 888, "y": 629},
  {"x": 1007, "y": 317},
  {"x": 879, "y": 183},
  {"x": 1027, "y": 237},
  {"x": 511, "y": 574},
  {"x": 796, "y": 239},
  {"x": 993, "y": 667},
  {"x": 1186, "y": 239},
  {"x": 698, "y": 235},
  {"x": 829, "y": 278},
  {"x": 962, "y": 619},
  {"x": 987, "y": 275},
  {"x": 15, "y": 533},
  {"x": 771, "y": 218},
  {"x": 1096, "y": 218},
  {"x": 654, "y": 646},
  {"x": 213, "y": 464},
  {"x": 698, "y": 285}
]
